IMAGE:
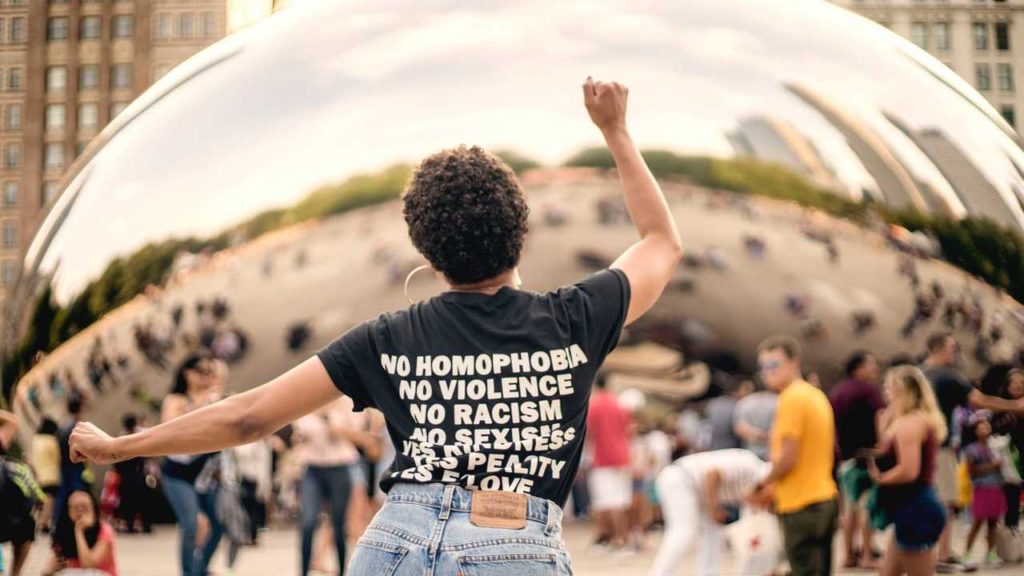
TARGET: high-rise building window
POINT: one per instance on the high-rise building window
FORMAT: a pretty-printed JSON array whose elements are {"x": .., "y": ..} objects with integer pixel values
[
  {"x": 124, "y": 26},
  {"x": 57, "y": 28},
  {"x": 163, "y": 26},
  {"x": 1005, "y": 77},
  {"x": 1009, "y": 114},
  {"x": 979, "y": 30},
  {"x": 12, "y": 117},
  {"x": 207, "y": 25},
  {"x": 90, "y": 28},
  {"x": 88, "y": 116},
  {"x": 80, "y": 147},
  {"x": 53, "y": 155},
  {"x": 17, "y": 29},
  {"x": 49, "y": 190},
  {"x": 943, "y": 39},
  {"x": 11, "y": 193},
  {"x": 10, "y": 234},
  {"x": 7, "y": 271},
  {"x": 12, "y": 156},
  {"x": 919, "y": 34},
  {"x": 1002, "y": 36},
  {"x": 56, "y": 118},
  {"x": 14, "y": 79},
  {"x": 116, "y": 108},
  {"x": 121, "y": 76},
  {"x": 56, "y": 78},
  {"x": 185, "y": 25},
  {"x": 88, "y": 77},
  {"x": 983, "y": 76}
]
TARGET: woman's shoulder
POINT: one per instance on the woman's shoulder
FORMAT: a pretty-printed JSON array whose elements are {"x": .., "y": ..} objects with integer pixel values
[
  {"x": 174, "y": 399},
  {"x": 106, "y": 532},
  {"x": 911, "y": 424}
]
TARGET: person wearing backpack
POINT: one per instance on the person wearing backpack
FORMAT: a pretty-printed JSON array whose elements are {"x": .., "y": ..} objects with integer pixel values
[{"x": 19, "y": 496}]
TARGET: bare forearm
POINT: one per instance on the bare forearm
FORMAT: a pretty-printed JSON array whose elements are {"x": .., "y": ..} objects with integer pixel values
[
  {"x": 85, "y": 554},
  {"x": 711, "y": 483},
  {"x": 995, "y": 404},
  {"x": 644, "y": 198},
  {"x": 215, "y": 427}
]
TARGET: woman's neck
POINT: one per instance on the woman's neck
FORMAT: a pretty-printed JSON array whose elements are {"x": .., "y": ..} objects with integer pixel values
[{"x": 489, "y": 286}]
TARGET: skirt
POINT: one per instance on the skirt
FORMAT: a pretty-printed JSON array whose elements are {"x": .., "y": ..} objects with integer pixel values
[{"x": 989, "y": 502}]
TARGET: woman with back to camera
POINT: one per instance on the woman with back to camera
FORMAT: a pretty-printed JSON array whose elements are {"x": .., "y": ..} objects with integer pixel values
[
  {"x": 484, "y": 388},
  {"x": 914, "y": 428}
]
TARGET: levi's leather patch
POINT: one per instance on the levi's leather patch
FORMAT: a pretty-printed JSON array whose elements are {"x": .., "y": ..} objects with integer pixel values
[{"x": 492, "y": 509}]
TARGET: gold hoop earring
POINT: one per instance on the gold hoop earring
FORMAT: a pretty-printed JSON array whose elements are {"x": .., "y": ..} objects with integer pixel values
[{"x": 409, "y": 279}]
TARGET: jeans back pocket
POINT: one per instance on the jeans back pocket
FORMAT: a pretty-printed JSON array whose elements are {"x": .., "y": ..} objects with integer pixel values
[
  {"x": 510, "y": 564},
  {"x": 377, "y": 558}
]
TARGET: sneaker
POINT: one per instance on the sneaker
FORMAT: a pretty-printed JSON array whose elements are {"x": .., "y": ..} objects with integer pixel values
[
  {"x": 954, "y": 565},
  {"x": 993, "y": 560}
]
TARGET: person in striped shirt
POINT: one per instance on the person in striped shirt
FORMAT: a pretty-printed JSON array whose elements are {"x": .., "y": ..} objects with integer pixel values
[{"x": 705, "y": 486}]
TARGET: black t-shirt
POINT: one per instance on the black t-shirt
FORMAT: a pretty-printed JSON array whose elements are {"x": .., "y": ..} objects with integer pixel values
[
  {"x": 486, "y": 391},
  {"x": 951, "y": 390}
]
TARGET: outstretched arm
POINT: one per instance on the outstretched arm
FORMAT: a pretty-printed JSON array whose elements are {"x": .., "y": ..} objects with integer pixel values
[
  {"x": 650, "y": 263},
  {"x": 979, "y": 399},
  {"x": 239, "y": 419}
]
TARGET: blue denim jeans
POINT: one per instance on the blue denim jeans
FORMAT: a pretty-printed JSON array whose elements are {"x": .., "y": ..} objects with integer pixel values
[
  {"x": 187, "y": 503},
  {"x": 424, "y": 530},
  {"x": 330, "y": 485}
]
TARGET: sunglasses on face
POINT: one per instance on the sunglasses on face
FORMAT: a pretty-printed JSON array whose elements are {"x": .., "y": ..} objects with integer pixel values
[
  {"x": 768, "y": 366},
  {"x": 204, "y": 370}
]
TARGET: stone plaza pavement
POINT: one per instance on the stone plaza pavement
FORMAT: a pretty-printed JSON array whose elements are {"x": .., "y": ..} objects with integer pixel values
[{"x": 277, "y": 555}]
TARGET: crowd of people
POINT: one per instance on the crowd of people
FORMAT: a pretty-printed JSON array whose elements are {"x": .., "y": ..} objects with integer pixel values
[
  {"x": 878, "y": 451},
  {"x": 891, "y": 445},
  {"x": 327, "y": 461},
  {"x": 895, "y": 444}
]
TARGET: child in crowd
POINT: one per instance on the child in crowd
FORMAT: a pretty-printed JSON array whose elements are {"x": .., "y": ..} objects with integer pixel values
[{"x": 988, "y": 500}]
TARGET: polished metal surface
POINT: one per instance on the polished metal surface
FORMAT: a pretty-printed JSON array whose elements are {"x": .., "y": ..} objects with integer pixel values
[{"x": 277, "y": 117}]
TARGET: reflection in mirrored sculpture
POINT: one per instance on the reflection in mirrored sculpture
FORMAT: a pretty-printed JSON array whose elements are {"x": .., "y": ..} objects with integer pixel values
[{"x": 247, "y": 202}]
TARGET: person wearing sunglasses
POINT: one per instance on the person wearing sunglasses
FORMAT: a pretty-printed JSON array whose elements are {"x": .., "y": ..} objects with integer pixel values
[
  {"x": 802, "y": 456},
  {"x": 195, "y": 386}
]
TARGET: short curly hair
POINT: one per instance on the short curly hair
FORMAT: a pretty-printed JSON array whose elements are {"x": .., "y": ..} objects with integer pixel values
[{"x": 467, "y": 214}]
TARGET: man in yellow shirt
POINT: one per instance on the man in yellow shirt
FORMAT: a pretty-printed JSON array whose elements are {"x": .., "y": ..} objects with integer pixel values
[{"x": 802, "y": 456}]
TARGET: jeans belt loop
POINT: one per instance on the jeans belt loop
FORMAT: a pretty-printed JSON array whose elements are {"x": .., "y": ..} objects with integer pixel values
[{"x": 446, "y": 503}]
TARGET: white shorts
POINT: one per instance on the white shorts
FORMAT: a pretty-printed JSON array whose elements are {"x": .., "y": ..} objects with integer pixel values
[{"x": 610, "y": 488}]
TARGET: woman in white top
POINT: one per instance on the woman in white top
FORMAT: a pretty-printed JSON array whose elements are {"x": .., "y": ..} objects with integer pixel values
[{"x": 326, "y": 443}]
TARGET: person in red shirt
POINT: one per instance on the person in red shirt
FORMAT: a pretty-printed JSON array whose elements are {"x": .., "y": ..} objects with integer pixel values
[
  {"x": 81, "y": 539},
  {"x": 610, "y": 481}
]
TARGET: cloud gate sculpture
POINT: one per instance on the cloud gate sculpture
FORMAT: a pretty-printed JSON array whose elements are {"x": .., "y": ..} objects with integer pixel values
[{"x": 247, "y": 202}]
